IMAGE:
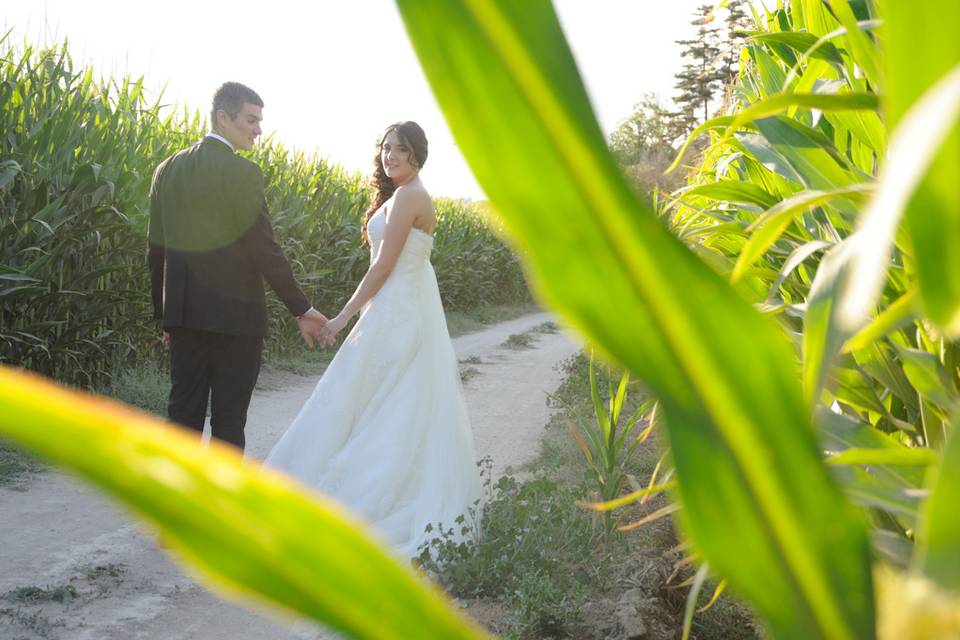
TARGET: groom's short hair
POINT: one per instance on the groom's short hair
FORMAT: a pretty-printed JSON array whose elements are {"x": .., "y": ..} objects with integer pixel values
[{"x": 231, "y": 96}]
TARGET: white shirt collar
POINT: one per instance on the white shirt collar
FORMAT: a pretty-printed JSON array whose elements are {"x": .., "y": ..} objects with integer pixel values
[{"x": 221, "y": 139}]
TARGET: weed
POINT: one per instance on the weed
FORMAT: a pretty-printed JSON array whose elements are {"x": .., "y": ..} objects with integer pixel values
[
  {"x": 531, "y": 547},
  {"x": 546, "y": 327},
  {"x": 35, "y": 623},
  {"x": 480, "y": 317},
  {"x": 468, "y": 372},
  {"x": 519, "y": 341},
  {"x": 16, "y": 465},
  {"x": 545, "y": 607},
  {"x": 305, "y": 362},
  {"x": 33, "y": 594},
  {"x": 472, "y": 360},
  {"x": 145, "y": 385},
  {"x": 101, "y": 571}
]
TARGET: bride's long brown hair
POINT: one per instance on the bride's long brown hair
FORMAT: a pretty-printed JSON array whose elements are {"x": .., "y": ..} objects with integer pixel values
[{"x": 415, "y": 139}]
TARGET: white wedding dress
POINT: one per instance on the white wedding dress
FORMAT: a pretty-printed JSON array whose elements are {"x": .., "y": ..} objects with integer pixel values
[{"x": 385, "y": 431}]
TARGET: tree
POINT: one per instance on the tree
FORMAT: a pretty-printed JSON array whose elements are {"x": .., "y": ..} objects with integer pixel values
[
  {"x": 700, "y": 78},
  {"x": 642, "y": 144},
  {"x": 643, "y": 133},
  {"x": 737, "y": 21}
]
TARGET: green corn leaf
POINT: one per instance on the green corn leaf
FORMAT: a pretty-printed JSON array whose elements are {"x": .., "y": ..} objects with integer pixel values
[
  {"x": 768, "y": 228},
  {"x": 630, "y": 498},
  {"x": 809, "y": 153},
  {"x": 866, "y": 127},
  {"x": 902, "y": 456},
  {"x": 939, "y": 536},
  {"x": 720, "y": 122},
  {"x": 927, "y": 31},
  {"x": 851, "y": 276},
  {"x": 253, "y": 533},
  {"x": 928, "y": 377},
  {"x": 840, "y": 433},
  {"x": 8, "y": 171},
  {"x": 856, "y": 390},
  {"x": 691, "y": 606},
  {"x": 859, "y": 43},
  {"x": 813, "y": 67},
  {"x": 802, "y": 42},
  {"x": 898, "y": 314},
  {"x": 766, "y": 156},
  {"x": 507, "y": 83},
  {"x": 584, "y": 447},
  {"x": 600, "y": 413},
  {"x": 780, "y": 102},
  {"x": 620, "y": 397},
  {"x": 795, "y": 259},
  {"x": 733, "y": 191}
]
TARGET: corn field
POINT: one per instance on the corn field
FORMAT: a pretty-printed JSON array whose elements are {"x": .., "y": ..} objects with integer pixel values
[
  {"x": 794, "y": 310},
  {"x": 76, "y": 159},
  {"x": 777, "y": 205}
]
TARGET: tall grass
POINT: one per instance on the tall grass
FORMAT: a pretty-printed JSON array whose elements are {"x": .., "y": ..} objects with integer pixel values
[{"x": 76, "y": 158}]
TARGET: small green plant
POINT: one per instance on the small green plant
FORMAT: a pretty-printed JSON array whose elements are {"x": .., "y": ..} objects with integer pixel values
[
  {"x": 35, "y": 623},
  {"x": 32, "y": 594},
  {"x": 546, "y": 327},
  {"x": 531, "y": 547},
  {"x": 606, "y": 443},
  {"x": 145, "y": 385},
  {"x": 104, "y": 571},
  {"x": 544, "y": 607},
  {"x": 468, "y": 372},
  {"x": 519, "y": 341},
  {"x": 15, "y": 465},
  {"x": 303, "y": 362},
  {"x": 467, "y": 319}
]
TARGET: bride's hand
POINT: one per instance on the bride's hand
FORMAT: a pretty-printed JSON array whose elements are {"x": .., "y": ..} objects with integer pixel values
[{"x": 329, "y": 333}]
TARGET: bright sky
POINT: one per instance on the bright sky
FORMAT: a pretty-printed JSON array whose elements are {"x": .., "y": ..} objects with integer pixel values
[{"x": 333, "y": 74}]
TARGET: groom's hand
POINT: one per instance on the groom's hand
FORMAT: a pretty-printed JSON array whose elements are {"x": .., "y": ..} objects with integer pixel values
[
  {"x": 311, "y": 324},
  {"x": 329, "y": 334}
]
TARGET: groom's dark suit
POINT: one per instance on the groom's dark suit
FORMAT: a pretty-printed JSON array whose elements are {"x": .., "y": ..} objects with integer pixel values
[{"x": 211, "y": 246}]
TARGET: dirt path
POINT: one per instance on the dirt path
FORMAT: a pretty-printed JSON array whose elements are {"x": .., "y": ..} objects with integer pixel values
[{"x": 115, "y": 584}]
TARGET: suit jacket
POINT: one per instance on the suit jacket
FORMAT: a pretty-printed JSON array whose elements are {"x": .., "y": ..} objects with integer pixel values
[{"x": 211, "y": 244}]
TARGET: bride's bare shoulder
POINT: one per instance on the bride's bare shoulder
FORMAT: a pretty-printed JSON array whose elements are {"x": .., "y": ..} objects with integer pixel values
[
  {"x": 413, "y": 195},
  {"x": 412, "y": 190}
]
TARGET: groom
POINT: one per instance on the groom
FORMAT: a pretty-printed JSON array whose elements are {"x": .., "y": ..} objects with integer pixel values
[{"x": 211, "y": 246}]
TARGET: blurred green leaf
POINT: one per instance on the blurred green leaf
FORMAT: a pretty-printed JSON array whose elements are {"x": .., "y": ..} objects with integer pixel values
[
  {"x": 927, "y": 32},
  {"x": 504, "y": 76},
  {"x": 852, "y": 274},
  {"x": 939, "y": 535},
  {"x": 902, "y": 456},
  {"x": 899, "y": 313},
  {"x": 251, "y": 531}
]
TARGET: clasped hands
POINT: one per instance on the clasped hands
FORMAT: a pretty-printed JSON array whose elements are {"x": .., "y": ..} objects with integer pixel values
[{"x": 315, "y": 326}]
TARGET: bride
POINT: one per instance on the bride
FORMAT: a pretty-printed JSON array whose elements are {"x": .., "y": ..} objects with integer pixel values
[{"x": 385, "y": 431}]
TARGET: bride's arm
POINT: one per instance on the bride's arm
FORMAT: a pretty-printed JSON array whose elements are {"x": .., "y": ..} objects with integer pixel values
[{"x": 407, "y": 204}]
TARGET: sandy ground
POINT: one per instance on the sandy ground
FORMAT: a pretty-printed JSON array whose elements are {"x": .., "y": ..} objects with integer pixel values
[{"x": 60, "y": 532}]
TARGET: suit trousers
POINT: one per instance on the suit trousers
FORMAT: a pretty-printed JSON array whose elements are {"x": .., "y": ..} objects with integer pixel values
[{"x": 214, "y": 367}]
